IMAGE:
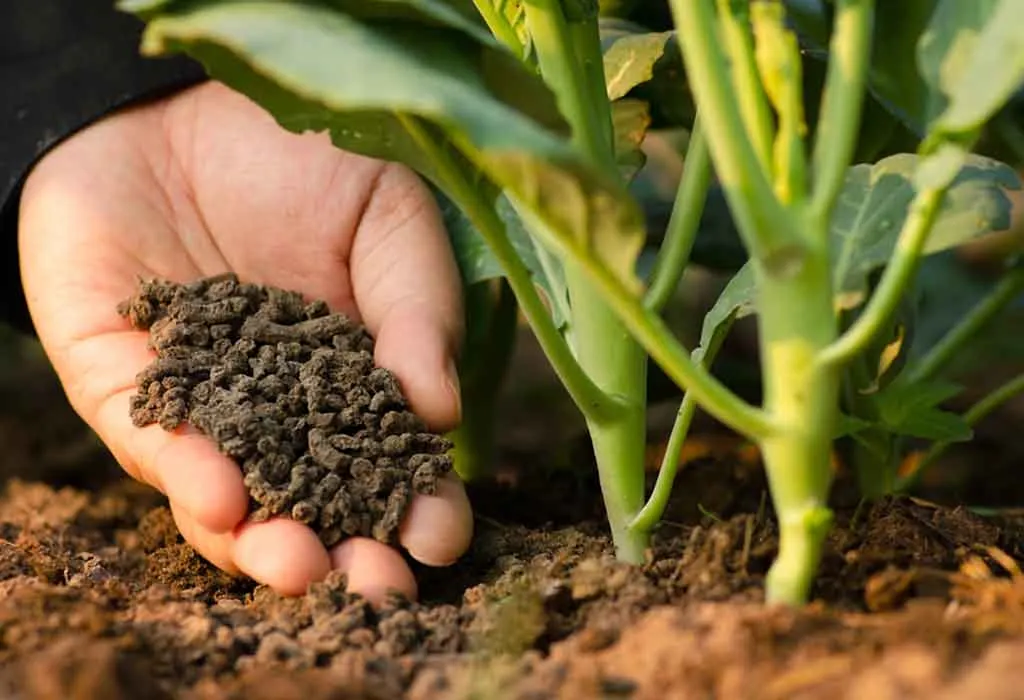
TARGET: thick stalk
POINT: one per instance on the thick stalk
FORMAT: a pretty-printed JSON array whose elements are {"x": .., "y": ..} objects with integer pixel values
[
  {"x": 613, "y": 359},
  {"x": 796, "y": 322},
  {"x": 606, "y": 351},
  {"x": 562, "y": 70},
  {"x": 585, "y": 37}
]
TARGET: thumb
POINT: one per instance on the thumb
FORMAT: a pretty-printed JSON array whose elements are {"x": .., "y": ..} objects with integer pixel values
[{"x": 406, "y": 285}]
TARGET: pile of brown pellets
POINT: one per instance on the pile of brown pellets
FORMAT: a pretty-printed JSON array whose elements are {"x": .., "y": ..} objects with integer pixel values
[{"x": 290, "y": 392}]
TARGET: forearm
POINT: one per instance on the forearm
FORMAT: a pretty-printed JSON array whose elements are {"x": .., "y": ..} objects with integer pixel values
[{"x": 63, "y": 65}]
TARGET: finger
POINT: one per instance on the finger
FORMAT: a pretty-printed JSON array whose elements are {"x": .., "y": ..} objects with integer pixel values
[
  {"x": 281, "y": 553},
  {"x": 214, "y": 547},
  {"x": 373, "y": 570},
  {"x": 437, "y": 529},
  {"x": 184, "y": 465},
  {"x": 407, "y": 287},
  {"x": 412, "y": 344}
]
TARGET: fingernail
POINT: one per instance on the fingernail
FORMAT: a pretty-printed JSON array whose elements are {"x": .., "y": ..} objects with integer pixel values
[{"x": 452, "y": 378}]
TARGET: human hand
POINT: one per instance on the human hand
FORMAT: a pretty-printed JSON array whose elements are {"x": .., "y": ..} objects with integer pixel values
[{"x": 202, "y": 183}]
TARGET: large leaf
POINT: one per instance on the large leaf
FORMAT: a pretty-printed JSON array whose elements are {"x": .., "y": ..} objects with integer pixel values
[
  {"x": 866, "y": 222},
  {"x": 973, "y": 57},
  {"x": 875, "y": 200},
  {"x": 316, "y": 67},
  {"x": 435, "y": 13}
]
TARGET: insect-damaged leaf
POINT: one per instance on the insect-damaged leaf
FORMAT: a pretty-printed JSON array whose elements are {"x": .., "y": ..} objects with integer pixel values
[
  {"x": 630, "y": 59},
  {"x": 316, "y": 66},
  {"x": 867, "y": 220},
  {"x": 648, "y": 66}
]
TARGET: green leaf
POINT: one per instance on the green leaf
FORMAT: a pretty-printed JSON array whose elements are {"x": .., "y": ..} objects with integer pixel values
[
  {"x": 847, "y": 426},
  {"x": 629, "y": 60},
  {"x": 869, "y": 214},
  {"x": 315, "y": 67},
  {"x": 875, "y": 201},
  {"x": 735, "y": 302},
  {"x": 911, "y": 409},
  {"x": 507, "y": 20},
  {"x": 630, "y": 119},
  {"x": 648, "y": 66},
  {"x": 973, "y": 57},
  {"x": 434, "y": 13},
  {"x": 893, "y": 76}
]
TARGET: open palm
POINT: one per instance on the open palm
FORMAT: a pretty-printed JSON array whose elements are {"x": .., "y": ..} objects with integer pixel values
[{"x": 202, "y": 183}]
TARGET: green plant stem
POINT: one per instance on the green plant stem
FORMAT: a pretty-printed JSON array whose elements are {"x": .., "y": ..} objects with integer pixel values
[
  {"x": 898, "y": 273},
  {"x": 796, "y": 322},
  {"x": 618, "y": 364},
  {"x": 975, "y": 414},
  {"x": 940, "y": 355},
  {"x": 604, "y": 347},
  {"x": 871, "y": 454},
  {"x": 500, "y": 27},
  {"x": 777, "y": 55},
  {"x": 591, "y": 400},
  {"x": 585, "y": 35},
  {"x": 664, "y": 348},
  {"x": 492, "y": 318},
  {"x": 654, "y": 509},
  {"x": 842, "y": 103},
  {"x": 682, "y": 228},
  {"x": 767, "y": 228},
  {"x": 750, "y": 97},
  {"x": 562, "y": 71}
]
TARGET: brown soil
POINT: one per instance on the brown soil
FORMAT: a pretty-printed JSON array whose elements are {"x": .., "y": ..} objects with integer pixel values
[
  {"x": 100, "y": 598},
  {"x": 290, "y": 392}
]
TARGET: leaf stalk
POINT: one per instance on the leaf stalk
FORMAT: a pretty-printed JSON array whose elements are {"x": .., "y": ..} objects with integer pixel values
[
  {"x": 682, "y": 228},
  {"x": 458, "y": 185},
  {"x": 766, "y": 226},
  {"x": 842, "y": 104},
  {"x": 898, "y": 274},
  {"x": 943, "y": 352}
]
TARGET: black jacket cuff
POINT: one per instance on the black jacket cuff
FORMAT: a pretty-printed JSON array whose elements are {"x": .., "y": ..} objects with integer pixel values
[{"x": 64, "y": 64}]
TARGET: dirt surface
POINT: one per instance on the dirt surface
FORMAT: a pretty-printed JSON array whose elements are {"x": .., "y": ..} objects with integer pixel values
[
  {"x": 100, "y": 598},
  {"x": 291, "y": 393}
]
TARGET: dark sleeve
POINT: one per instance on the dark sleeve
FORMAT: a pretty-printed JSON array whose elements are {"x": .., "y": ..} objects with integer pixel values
[{"x": 63, "y": 65}]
